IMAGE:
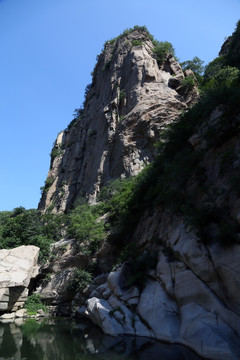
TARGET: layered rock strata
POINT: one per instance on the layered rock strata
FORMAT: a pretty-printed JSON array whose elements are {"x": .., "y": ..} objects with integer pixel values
[
  {"x": 17, "y": 267},
  {"x": 131, "y": 99}
]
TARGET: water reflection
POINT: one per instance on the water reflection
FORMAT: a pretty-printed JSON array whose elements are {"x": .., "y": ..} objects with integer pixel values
[{"x": 61, "y": 339}]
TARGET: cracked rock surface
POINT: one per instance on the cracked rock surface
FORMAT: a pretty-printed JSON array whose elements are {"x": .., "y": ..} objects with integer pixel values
[
  {"x": 17, "y": 267},
  {"x": 129, "y": 102}
]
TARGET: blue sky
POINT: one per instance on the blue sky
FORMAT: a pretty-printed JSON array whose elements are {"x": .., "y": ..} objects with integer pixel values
[{"x": 48, "y": 50}]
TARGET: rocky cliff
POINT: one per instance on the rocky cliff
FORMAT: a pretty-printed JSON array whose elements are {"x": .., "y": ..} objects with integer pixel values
[
  {"x": 131, "y": 99},
  {"x": 181, "y": 281}
]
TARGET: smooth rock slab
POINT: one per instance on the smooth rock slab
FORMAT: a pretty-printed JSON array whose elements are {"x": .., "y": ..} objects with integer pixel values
[
  {"x": 159, "y": 311},
  {"x": 17, "y": 267}
]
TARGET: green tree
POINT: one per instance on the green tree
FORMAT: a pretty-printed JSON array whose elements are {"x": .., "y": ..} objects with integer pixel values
[
  {"x": 86, "y": 227},
  {"x": 30, "y": 227},
  {"x": 196, "y": 65},
  {"x": 161, "y": 49}
]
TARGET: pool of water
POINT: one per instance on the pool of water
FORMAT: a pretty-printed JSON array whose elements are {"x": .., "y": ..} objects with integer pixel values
[{"x": 63, "y": 339}]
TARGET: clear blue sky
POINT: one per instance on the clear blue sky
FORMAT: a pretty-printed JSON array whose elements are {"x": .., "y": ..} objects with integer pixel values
[{"x": 48, "y": 50}]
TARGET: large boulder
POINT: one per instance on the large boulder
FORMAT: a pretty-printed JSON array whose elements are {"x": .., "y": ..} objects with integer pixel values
[{"x": 17, "y": 267}]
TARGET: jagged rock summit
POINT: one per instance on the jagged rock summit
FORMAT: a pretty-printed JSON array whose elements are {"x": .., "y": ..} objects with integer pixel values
[{"x": 131, "y": 99}]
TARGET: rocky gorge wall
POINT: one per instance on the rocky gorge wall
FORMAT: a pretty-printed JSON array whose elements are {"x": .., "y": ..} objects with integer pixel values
[
  {"x": 131, "y": 99},
  {"x": 190, "y": 294},
  {"x": 190, "y": 291}
]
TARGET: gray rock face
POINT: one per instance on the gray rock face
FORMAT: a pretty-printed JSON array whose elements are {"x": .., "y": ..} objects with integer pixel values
[
  {"x": 191, "y": 297},
  {"x": 17, "y": 267},
  {"x": 129, "y": 103}
]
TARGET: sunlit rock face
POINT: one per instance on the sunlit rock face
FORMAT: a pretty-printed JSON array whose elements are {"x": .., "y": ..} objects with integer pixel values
[
  {"x": 17, "y": 267},
  {"x": 130, "y": 101}
]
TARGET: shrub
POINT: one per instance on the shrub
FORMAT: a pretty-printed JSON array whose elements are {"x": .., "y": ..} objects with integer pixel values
[
  {"x": 162, "y": 49},
  {"x": 188, "y": 83},
  {"x": 137, "y": 42},
  {"x": 214, "y": 67},
  {"x": 48, "y": 183},
  {"x": 33, "y": 304},
  {"x": 56, "y": 151},
  {"x": 196, "y": 65},
  {"x": 86, "y": 228},
  {"x": 79, "y": 281},
  {"x": 225, "y": 77}
]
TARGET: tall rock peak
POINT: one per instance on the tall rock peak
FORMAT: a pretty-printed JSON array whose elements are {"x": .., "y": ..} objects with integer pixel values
[{"x": 131, "y": 99}]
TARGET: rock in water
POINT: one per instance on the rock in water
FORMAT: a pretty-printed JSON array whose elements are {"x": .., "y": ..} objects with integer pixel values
[{"x": 17, "y": 267}]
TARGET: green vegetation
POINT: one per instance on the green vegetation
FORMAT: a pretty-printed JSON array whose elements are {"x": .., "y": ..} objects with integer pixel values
[
  {"x": 188, "y": 83},
  {"x": 56, "y": 151},
  {"x": 48, "y": 183},
  {"x": 87, "y": 228},
  {"x": 171, "y": 181},
  {"x": 30, "y": 227},
  {"x": 164, "y": 182},
  {"x": 127, "y": 32},
  {"x": 161, "y": 49},
  {"x": 33, "y": 304},
  {"x": 31, "y": 327},
  {"x": 137, "y": 42},
  {"x": 225, "y": 77},
  {"x": 79, "y": 281},
  {"x": 122, "y": 94},
  {"x": 196, "y": 65}
]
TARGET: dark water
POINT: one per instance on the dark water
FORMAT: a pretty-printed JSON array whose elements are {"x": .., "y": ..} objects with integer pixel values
[{"x": 61, "y": 339}]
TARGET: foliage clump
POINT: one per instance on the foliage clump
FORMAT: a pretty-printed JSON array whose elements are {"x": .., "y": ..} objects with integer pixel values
[
  {"x": 87, "y": 228},
  {"x": 188, "y": 83},
  {"x": 30, "y": 227},
  {"x": 33, "y": 304},
  {"x": 161, "y": 49},
  {"x": 196, "y": 65},
  {"x": 137, "y": 42},
  {"x": 79, "y": 281}
]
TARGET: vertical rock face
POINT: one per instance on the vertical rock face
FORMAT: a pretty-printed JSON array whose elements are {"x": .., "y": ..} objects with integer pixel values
[
  {"x": 131, "y": 99},
  {"x": 17, "y": 267},
  {"x": 191, "y": 295}
]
